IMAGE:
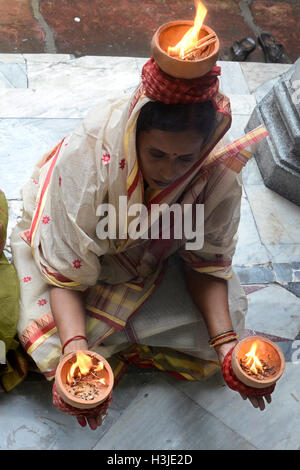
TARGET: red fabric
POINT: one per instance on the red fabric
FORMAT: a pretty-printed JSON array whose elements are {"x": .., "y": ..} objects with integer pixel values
[
  {"x": 162, "y": 87},
  {"x": 78, "y": 413},
  {"x": 233, "y": 382}
]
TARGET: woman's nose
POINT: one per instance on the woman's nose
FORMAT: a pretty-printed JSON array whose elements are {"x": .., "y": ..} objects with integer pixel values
[{"x": 169, "y": 172}]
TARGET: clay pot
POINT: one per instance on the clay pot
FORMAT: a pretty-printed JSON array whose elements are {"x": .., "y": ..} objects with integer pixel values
[
  {"x": 169, "y": 34},
  {"x": 61, "y": 380},
  {"x": 266, "y": 350}
]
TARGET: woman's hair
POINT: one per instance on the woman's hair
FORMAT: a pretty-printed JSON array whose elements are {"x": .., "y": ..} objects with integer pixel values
[{"x": 200, "y": 117}]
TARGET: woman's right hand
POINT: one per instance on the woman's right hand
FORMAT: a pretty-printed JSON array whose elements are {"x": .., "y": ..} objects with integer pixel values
[{"x": 100, "y": 412}]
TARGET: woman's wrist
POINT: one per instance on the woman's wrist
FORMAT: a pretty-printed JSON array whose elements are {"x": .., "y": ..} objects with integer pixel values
[
  {"x": 223, "y": 349},
  {"x": 75, "y": 345}
]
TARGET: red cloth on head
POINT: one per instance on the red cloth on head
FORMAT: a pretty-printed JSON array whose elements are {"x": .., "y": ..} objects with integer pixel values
[
  {"x": 234, "y": 383},
  {"x": 162, "y": 87}
]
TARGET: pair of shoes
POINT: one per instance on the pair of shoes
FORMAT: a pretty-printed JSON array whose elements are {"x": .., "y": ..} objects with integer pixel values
[{"x": 273, "y": 51}]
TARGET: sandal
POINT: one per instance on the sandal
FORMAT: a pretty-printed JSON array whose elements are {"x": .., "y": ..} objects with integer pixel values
[
  {"x": 241, "y": 49},
  {"x": 273, "y": 51}
]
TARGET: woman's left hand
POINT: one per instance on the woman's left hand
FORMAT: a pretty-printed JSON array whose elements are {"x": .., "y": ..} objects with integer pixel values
[{"x": 257, "y": 402}]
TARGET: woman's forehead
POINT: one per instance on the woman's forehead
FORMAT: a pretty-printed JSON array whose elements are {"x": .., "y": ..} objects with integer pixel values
[{"x": 172, "y": 142}]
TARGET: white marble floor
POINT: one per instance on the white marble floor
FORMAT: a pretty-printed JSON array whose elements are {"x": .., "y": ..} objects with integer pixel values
[{"x": 44, "y": 96}]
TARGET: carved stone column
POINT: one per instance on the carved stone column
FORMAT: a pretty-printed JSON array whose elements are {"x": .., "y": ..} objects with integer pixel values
[{"x": 278, "y": 156}]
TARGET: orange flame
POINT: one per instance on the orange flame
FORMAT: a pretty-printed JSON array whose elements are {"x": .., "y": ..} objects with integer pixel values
[
  {"x": 253, "y": 360},
  {"x": 82, "y": 366},
  {"x": 190, "y": 39}
]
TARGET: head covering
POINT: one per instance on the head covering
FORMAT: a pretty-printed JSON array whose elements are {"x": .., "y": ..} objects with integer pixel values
[{"x": 170, "y": 90}]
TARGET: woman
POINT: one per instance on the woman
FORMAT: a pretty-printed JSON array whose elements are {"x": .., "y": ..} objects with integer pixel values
[{"x": 81, "y": 291}]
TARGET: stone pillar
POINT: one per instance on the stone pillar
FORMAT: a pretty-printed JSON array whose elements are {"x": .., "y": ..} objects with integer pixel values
[{"x": 278, "y": 156}]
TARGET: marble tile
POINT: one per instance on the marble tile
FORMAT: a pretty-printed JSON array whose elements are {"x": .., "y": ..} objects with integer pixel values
[
  {"x": 258, "y": 73},
  {"x": 242, "y": 104},
  {"x": 13, "y": 75},
  {"x": 51, "y": 102},
  {"x": 283, "y": 272},
  {"x": 47, "y": 57},
  {"x": 249, "y": 249},
  {"x": 257, "y": 274},
  {"x": 277, "y": 219},
  {"x": 29, "y": 421},
  {"x": 232, "y": 80},
  {"x": 275, "y": 428},
  {"x": 294, "y": 287},
  {"x": 97, "y": 73},
  {"x": 283, "y": 253},
  {"x": 251, "y": 174},
  {"x": 274, "y": 310},
  {"x": 237, "y": 129},
  {"x": 12, "y": 58},
  {"x": 140, "y": 62},
  {"x": 161, "y": 417},
  {"x": 18, "y": 155}
]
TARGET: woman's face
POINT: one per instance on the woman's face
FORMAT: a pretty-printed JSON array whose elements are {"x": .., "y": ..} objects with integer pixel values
[{"x": 166, "y": 156}]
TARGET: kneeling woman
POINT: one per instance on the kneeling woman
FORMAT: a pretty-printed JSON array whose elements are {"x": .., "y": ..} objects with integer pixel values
[{"x": 79, "y": 291}]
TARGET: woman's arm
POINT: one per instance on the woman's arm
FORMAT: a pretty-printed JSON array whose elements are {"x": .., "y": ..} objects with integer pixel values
[
  {"x": 69, "y": 315},
  {"x": 210, "y": 294}
]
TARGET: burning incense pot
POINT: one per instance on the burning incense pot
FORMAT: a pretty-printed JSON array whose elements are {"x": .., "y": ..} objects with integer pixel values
[
  {"x": 84, "y": 379},
  {"x": 257, "y": 362},
  {"x": 186, "y": 49}
]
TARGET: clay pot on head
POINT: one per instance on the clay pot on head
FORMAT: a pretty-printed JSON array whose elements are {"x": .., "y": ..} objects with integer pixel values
[
  {"x": 169, "y": 34},
  {"x": 266, "y": 350},
  {"x": 61, "y": 381}
]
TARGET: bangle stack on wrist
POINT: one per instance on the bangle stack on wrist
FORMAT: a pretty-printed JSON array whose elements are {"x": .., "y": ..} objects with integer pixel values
[{"x": 222, "y": 338}]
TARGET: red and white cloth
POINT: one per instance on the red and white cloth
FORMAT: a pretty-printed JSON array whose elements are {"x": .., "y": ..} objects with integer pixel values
[{"x": 169, "y": 90}]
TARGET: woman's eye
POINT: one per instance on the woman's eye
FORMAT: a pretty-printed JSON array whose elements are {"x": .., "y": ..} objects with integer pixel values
[
  {"x": 186, "y": 160},
  {"x": 157, "y": 155}
]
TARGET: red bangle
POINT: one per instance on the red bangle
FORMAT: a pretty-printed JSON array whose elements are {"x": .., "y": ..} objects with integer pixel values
[
  {"x": 213, "y": 341},
  {"x": 71, "y": 339}
]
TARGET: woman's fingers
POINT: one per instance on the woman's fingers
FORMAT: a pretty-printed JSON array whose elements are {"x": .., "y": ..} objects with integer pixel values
[
  {"x": 99, "y": 420},
  {"x": 82, "y": 422},
  {"x": 92, "y": 423},
  {"x": 268, "y": 398},
  {"x": 259, "y": 401}
]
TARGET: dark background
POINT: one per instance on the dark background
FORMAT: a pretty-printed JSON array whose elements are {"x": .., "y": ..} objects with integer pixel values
[{"x": 125, "y": 27}]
